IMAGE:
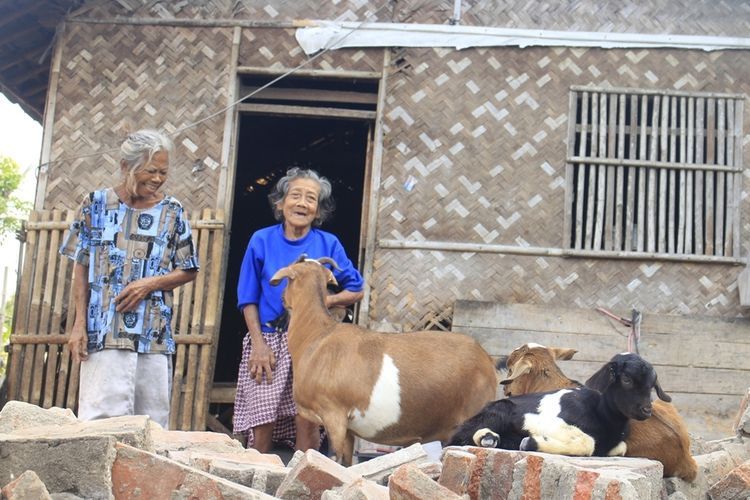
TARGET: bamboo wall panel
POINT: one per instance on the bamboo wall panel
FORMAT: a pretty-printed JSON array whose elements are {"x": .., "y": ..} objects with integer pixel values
[
  {"x": 483, "y": 133},
  {"x": 41, "y": 370},
  {"x": 118, "y": 78}
]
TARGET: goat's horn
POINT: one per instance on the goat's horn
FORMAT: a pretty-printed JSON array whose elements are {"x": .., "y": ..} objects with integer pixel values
[
  {"x": 328, "y": 260},
  {"x": 284, "y": 272}
]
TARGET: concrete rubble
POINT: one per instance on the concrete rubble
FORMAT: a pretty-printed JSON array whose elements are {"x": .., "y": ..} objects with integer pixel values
[{"x": 51, "y": 454}]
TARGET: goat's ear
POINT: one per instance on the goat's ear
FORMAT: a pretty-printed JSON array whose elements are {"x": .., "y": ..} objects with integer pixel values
[
  {"x": 521, "y": 368},
  {"x": 284, "y": 272},
  {"x": 603, "y": 378},
  {"x": 660, "y": 392},
  {"x": 562, "y": 353}
]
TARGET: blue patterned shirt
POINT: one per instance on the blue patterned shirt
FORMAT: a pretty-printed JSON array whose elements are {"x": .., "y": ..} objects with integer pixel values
[{"x": 119, "y": 244}]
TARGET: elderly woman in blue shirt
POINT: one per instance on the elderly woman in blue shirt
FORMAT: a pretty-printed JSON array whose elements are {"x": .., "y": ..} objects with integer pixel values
[
  {"x": 132, "y": 246},
  {"x": 264, "y": 410}
]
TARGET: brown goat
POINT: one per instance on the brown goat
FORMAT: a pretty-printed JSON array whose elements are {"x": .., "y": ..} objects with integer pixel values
[
  {"x": 387, "y": 388},
  {"x": 663, "y": 436}
]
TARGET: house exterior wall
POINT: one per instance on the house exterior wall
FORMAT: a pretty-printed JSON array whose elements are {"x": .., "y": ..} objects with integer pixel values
[{"x": 481, "y": 131}]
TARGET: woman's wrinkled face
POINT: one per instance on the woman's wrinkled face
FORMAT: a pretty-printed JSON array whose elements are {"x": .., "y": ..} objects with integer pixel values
[
  {"x": 150, "y": 177},
  {"x": 300, "y": 205}
]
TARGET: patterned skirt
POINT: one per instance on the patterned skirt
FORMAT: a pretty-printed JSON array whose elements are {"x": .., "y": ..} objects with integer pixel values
[{"x": 257, "y": 404}]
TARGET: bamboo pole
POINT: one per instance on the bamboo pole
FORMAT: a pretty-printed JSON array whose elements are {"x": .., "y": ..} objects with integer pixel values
[
  {"x": 569, "y": 172},
  {"x": 591, "y": 187},
  {"x": 581, "y": 181},
  {"x": 700, "y": 133}
]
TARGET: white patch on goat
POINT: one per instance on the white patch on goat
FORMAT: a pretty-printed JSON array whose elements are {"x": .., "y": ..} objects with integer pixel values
[
  {"x": 531, "y": 345},
  {"x": 385, "y": 403},
  {"x": 619, "y": 450},
  {"x": 552, "y": 433}
]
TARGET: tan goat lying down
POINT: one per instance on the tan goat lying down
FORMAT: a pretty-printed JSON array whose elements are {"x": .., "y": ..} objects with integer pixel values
[
  {"x": 663, "y": 436},
  {"x": 387, "y": 388}
]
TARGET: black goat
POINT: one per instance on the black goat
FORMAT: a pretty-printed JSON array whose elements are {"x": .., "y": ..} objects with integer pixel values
[{"x": 580, "y": 421}]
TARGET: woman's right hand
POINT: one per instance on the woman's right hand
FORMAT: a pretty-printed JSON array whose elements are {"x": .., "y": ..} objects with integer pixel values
[
  {"x": 78, "y": 343},
  {"x": 262, "y": 360}
]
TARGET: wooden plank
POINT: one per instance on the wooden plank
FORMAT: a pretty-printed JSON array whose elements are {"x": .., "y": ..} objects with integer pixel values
[
  {"x": 656, "y": 92},
  {"x": 322, "y": 112},
  {"x": 21, "y": 321},
  {"x": 599, "y": 347},
  {"x": 373, "y": 180},
  {"x": 658, "y": 165},
  {"x": 55, "y": 364},
  {"x": 494, "y": 315},
  {"x": 700, "y": 132},
  {"x": 592, "y": 169},
  {"x": 720, "y": 177},
  {"x": 601, "y": 174},
  {"x": 738, "y": 163},
  {"x": 314, "y": 73},
  {"x": 223, "y": 392},
  {"x": 308, "y": 94},
  {"x": 682, "y": 181},
  {"x": 672, "y": 190},
  {"x": 67, "y": 386},
  {"x": 568, "y": 239},
  {"x": 581, "y": 168},
  {"x": 35, "y": 311},
  {"x": 630, "y": 208},
  {"x": 196, "y": 319},
  {"x": 653, "y": 156},
  {"x": 211, "y": 321},
  {"x": 620, "y": 176},
  {"x": 662, "y": 201},
  {"x": 708, "y": 178},
  {"x": 690, "y": 176},
  {"x": 609, "y": 200},
  {"x": 46, "y": 364},
  {"x": 730, "y": 200}
]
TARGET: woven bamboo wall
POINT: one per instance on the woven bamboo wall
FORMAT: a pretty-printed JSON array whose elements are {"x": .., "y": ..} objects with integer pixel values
[
  {"x": 118, "y": 78},
  {"x": 278, "y": 49},
  {"x": 483, "y": 133}
]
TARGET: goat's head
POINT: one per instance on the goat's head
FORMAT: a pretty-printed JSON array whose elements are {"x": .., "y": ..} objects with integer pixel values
[
  {"x": 628, "y": 380},
  {"x": 529, "y": 365},
  {"x": 304, "y": 277}
]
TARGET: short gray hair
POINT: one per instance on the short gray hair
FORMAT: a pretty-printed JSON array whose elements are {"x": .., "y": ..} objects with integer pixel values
[
  {"x": 326, "y": 205},
  {"x": 139, "y": 147}
]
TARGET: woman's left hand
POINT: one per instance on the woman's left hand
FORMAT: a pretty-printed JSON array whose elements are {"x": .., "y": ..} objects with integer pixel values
[{"x": 133, "y": 294}]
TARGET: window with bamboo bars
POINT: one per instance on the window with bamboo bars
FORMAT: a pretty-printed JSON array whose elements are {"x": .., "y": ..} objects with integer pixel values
[{"x": 654, "y": 172}]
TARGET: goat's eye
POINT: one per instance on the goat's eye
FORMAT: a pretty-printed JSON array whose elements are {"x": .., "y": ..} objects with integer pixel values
[{"x": 627, "y": 381}]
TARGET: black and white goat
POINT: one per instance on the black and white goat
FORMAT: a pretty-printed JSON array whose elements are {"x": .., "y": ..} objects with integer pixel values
[{"x": 578, "y": 421}]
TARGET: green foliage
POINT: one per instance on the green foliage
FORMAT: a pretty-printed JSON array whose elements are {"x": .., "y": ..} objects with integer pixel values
[
  {"x": 13, "y": 210},
  {"x": 5, "y": 334}
]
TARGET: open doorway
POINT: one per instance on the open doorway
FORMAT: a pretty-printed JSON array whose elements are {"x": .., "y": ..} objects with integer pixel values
[{"x": 267, "y": 146}]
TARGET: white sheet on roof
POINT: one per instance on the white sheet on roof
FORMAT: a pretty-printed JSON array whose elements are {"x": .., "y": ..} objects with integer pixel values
[{"x": 335, "y": 35}]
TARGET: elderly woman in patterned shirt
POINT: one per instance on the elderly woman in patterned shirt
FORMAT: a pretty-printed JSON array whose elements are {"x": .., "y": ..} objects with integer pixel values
[{"x": 132, "y": 246}]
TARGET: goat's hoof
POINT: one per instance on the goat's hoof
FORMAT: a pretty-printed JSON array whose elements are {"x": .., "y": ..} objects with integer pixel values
[
  {"x": 528, "y": 444},
  {"x": 486, "y": 438}
]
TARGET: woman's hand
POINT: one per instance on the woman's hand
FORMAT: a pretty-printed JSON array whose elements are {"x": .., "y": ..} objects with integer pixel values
[
  {"x": 78, "y": 343},
  {"x": 262, "y": 360},
  {"x": 134, "y": 293}
]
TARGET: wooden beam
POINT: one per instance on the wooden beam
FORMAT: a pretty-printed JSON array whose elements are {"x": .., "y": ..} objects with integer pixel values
[
  {"x": 274, "y": 109},
  {"x": 312, "y": 73},
  {"x": 302, "y": 94}
]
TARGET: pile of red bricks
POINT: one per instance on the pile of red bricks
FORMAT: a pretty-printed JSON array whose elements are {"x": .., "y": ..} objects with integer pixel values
[{"x": 51, "y": 454}]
